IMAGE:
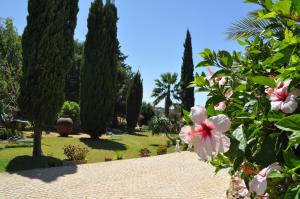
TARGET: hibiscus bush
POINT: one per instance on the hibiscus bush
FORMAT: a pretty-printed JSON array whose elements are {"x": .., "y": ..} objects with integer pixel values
[{"x": 251, "y": 120}]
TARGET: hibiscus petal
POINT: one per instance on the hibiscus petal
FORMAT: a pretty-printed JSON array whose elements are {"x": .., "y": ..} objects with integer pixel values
[
  {"x": 221, "y": 123},
  {"x": 198, "y": 114},
  {"x": 200, "y": 149},
  {"x": 258, "y": 186},
  {"x": 275, "y": 105},
  {"x": 222, "y": 143},
  {"x": 184, "y": 134},
  {"x": 289, "y": 105}
]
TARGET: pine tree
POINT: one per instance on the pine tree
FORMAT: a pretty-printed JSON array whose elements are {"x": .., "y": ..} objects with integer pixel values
[
  {"x": 134, "y": 101},
  {"x": 187, "y": 74},
  {"x": 47, "y": 56},
  {"x": 98, "y": 78}
]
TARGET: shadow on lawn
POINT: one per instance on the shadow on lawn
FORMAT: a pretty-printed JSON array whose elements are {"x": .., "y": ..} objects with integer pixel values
[
  {"x": 20, "y": 163},
  {"x": 137, "y": 134},
  {"x": 104, "y": 144}
]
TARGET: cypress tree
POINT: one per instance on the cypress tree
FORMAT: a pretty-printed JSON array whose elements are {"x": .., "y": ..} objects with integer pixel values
[
  {"x": 187, "y": 74},
  {"x": 134, "y": 101},
  {"x": 98, "y": 78},
  {"x": 48, "y": 45}
]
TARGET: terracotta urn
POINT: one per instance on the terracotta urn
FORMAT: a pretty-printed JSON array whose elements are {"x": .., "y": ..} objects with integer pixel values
[{"x": 64, "y": 126}]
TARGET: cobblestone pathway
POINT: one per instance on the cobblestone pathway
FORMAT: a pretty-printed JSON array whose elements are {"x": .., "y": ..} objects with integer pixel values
[{"x": 178, "y": 175}]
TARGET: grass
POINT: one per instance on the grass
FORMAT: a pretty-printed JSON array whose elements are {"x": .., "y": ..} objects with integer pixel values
[{"x": 128, "y": 145}]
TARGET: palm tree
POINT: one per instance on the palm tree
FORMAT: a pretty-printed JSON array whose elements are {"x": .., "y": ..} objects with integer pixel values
[{"x": 166, "y": 89}]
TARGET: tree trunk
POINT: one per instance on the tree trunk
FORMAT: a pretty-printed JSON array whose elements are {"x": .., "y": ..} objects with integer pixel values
[
  {"x": 37, "y": 145},
  {"x": 167, "y": 103}
]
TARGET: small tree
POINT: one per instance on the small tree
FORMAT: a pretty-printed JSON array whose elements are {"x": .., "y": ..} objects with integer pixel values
[
  {"x": 166, "y": 89},
  {"x": 48, "y": 55},
  {"x": 147, "y": 112},
  {"x": 98, "y": 78},
  {"x": 134, "y": 101},
  {"x": 187, "y": 74}
]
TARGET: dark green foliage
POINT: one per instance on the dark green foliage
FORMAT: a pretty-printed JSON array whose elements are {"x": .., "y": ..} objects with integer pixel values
[
  {"x": 124, "y": 74},
  {"x": 10, "y": 67},
  {"x": 48, "y": 50},
  {"x": 134, "y": 101},
  {"x": 147, "y": 112},
  {"x": 73, "y": 76},
  {"x": 98, "y": 78},
  {"x": 187, "y": 75},
  {"x": 9, "y": 133}
]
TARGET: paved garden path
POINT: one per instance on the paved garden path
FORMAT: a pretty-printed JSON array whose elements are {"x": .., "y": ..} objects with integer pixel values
[{"x": 178, "y": 175}]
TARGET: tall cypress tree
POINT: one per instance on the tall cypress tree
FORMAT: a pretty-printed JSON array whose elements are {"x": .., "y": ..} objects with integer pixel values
[
  {"x": 98, "y": 78},
  {"x": 134, "y": 101},
  {"x": 187, "y": 74},
  {"x": 48, "y": 49}
]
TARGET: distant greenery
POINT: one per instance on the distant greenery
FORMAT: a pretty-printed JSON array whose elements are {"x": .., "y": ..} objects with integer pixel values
[
  {"x": 147, "y": 112},
  {"x": 129, "y": 145},
  {"x": 134, "y": 101},
  {"x": 10, "y": 67}
]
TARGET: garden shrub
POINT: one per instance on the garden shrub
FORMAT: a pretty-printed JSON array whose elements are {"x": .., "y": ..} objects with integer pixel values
[
  {"x": 9, "y": 133},
  {"x": 119, "y": 156},
  {"x": 72, "y": 110},
  {"x": 159, "y": 124},
  {"x": 147, "y": 113},
  {"x": 253, "y": 111},
  {"x": 161, "y": 149},
  {"x": 144, "y": 152},
  {"x": 75, "y": 152}
]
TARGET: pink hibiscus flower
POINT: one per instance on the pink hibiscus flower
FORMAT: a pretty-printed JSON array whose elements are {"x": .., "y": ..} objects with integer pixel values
[
  {"x": 283, "y": 100},
  {"x": 220, "y": 80},
  {"x": 207, "y": 134},
  {"x": 259, "y": 183},
  {"x": 221, "y": 106}
]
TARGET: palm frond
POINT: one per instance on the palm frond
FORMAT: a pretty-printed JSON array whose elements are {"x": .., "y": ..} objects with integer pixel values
[{"x": 250, "y": 27}]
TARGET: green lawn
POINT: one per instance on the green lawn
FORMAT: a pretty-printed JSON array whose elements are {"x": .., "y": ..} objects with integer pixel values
[{"x": 14, "y": 159}]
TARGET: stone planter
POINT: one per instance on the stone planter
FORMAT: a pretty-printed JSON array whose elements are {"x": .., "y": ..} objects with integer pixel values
[{"x": 64, "y": 126}]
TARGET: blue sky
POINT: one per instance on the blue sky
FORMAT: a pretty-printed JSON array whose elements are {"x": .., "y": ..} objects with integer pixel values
[{"x": 152, "y": 32}]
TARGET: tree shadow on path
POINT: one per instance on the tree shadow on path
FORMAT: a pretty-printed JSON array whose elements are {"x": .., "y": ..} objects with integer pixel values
[
  {"x": 20, "y": 165},
  {"x": 104, "y": 144}
]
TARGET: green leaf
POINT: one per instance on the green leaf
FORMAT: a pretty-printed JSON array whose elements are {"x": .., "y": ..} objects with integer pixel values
[
  {"x": 290, "y": 123},
  {"x": 225, "y": 59},
  {"x": 262, "y": 80},
  {"x": 276, "y": 174},
  {"x": 283, "y": 7},
  {"x": 291, "y": 160},
  {"x": 204, "y": 64},
  {"x": 239, "y": 135},
  {"x": 269, "y": 4},
  {"x": 268, "y": 16},
  {"x": 206, "y": 53},
  {"x": 293, "y": 192},
  {"x": 294, "y": 139},
  {"x": 186, "y": 116}
]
